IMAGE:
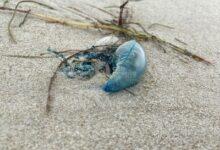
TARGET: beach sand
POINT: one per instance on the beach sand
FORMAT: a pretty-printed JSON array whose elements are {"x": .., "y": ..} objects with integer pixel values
[{"x": 177, "y": 103}]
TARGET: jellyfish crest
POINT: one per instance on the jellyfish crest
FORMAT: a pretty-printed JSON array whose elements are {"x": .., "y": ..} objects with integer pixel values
[{"x": 131, "y": 64}]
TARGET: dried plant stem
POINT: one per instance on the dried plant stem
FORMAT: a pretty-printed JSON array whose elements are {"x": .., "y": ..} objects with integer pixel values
[
  {"x": 12, "y": 9},
  {"x": 107, "y": 26},
  {"x": 82, "y": 14},
  {"x": 180, "y": 41},
  {"x": 120, "y": 18},
  {"x": 102, "y": 10},
  {"x": 111, "y": 27},
  {"x": 30, "y": 57},
  {"x": 24, "y": 1},
  {"x": 25, "y": 18},
  {"x": 159, "y": 24},
  {"x": 139, "y": 25},
  {"x": 52, "y": 79}
]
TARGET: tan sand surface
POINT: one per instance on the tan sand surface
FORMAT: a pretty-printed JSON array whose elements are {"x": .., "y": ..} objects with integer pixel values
[{"x": 177, "y": 104}]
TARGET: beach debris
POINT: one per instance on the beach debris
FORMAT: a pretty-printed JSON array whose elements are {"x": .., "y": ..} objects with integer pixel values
[
  {"x": 83, "y": 63},
  {"x": 25, "y": 18},
  {"x": 27, "y": 12},
  {"x": 126, "y": 64},
  {"x": 126, "y": 31},
  {"x": 108, "y": 40},
  {"x": 77, "y": 67}
]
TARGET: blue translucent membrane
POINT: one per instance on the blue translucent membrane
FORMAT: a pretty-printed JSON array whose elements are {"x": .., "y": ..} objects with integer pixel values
[{"x": 130, "y": 66}]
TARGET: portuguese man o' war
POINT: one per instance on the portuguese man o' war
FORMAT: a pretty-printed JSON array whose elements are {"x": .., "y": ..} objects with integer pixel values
[
  {"x": 127, "y": 64},
  {"x": 130, "y": 66}
]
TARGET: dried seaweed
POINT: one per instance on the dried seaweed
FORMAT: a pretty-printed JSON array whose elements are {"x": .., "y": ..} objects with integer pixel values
[
  {"x": 159, "y": 24},
  {"x": 27, "y": 12},
  {"x": 110, "y": 27},
  {"x": 104, "y": 11},
  {"x": 180, "y": 41},
  {"x": 74, "y": 57},
  {"x": 120, "y": 18},
  {"x": 28, "y": 56},
  {"x": 25, "y": 18}
]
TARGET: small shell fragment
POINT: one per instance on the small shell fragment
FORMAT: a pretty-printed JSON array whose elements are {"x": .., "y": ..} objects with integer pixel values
[{"x": 108, "y": 40}]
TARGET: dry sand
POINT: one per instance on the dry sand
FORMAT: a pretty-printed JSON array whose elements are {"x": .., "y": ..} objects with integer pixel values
[{"x": 178, "y": 107}]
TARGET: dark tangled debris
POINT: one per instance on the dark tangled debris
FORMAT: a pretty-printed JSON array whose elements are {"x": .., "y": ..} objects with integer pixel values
[{"x": 83, "y": 63}]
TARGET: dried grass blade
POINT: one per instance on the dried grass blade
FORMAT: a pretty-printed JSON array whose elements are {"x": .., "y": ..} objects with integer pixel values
[{"x": 15, "y": 10}]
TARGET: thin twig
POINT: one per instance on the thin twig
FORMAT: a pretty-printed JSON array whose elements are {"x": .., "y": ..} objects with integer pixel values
[
  {"x": 159, "y": 24},
  {"x": 120, "y": 18},
  {"x": 52, "y": 79},
  {"x": 12, "y": 9},
  {"x": 132, "y": 93},
  {"x": 29, "y": 57},
  {"x": 15, "y": 10},
  {"x": 106, "y": 12},
  {"x": 113, "y": 6},
  {"x": 25, "y": 17},
  {"x": 64, "y": 51},
  {"x": 180, "y": 41},
  {"x": 81, "y": 14},
  {"x": 138, "y": 24},
  {"x": 84, "y": 15},
  {"x": 92, "y": 49},
  {"x": 161, "y": 46}
]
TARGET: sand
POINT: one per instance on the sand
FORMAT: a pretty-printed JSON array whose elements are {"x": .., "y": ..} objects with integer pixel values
[{"x": 177, "y": 104}]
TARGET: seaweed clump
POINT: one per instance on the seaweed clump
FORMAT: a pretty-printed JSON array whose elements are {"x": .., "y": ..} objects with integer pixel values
[{"x": 82, "y": 64}]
